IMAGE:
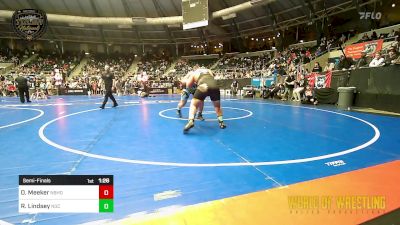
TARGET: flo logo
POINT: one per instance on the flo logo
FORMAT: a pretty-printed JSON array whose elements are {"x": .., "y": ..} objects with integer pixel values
[
  {"x": 370, "y": 15},
  {"x": 29, "y": 24}
]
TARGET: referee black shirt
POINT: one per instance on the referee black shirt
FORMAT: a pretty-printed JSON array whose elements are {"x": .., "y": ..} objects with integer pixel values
[
  {"x": 108, "y": 80},
  {"x": 22, "y": 82}
]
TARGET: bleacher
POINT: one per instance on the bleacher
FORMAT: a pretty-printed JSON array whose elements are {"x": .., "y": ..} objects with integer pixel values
[
  {"x": 45, "y": 63},
  {"x": 96, "y": 63}
]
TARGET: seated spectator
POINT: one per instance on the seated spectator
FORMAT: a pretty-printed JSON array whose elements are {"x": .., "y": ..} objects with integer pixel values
[
  {"x": 309, "y": 96},
  {"x": 317, "y": 68},
  {"x": 342, "y": 38},
  {"x": 396, "y": 44},
  {"x": 318, "y": 52},
  {"x": 391, "y": 56},
  {"x": 377, "y": 61},
  {"x": 281, "y": 90},
  {"x": 397, "y": 33},
  {"x": 363, "y": 61},
  {"x": 11, "y": 88},
  {"x": 365, "y": 38},
  {"x": 382, "y": 36},
  {"x": 344, "y": 63},
  {"x": 392, "y": 34},
  {"x": 374, "y": 36},
  {"x": 250, "y": 93},
  {"x": 272, "y": 90},
  {"x": 329, "y": 66},
  {"x": 300, "y": 86},
  {"x": 396, "y": 61}
]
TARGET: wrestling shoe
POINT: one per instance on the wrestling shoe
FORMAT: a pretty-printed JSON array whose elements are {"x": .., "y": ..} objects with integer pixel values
[
  {"x": 222, "y": 125},
  {"x": 200, "y": 117},
  {"x": 115, "y": 105},
  {"x": 188, "y": 126},
  {"x": 178, "y": 111},
  {"x": 101, "y": 107}
]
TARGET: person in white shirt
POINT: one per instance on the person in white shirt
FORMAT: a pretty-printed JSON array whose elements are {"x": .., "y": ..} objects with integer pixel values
[
  {"x": 377, "y": 61},
  {"x": 392, "y": 34}
]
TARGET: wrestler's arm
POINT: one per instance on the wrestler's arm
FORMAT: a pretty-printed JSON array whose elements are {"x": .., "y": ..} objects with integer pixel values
[{"x": 190, "y": 80}]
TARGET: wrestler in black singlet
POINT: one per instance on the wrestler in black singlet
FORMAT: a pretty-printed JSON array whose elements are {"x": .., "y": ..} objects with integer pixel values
[{"x": 212, "y": 88}]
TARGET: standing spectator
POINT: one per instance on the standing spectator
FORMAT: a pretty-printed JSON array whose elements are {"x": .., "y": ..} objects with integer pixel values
[
  {"x": 289, "y": 86},
  {"x": 234, "y": 87},
  {"x": 23, "y": 88},
  {"x": 2, "y": 86}
]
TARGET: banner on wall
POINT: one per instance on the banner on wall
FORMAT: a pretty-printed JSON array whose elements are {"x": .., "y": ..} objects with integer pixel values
[
  {"x": 256, "y": 82},
  {"x": 316, "y": 80},
  {"x": 370, "y": 48},
  {"x": 73, "y": 91},
  {"x": 158, "y": 90}
]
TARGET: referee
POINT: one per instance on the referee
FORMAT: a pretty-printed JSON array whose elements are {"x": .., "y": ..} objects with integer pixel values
[
  {"x": 23, "y": 88},
  {"x": 108, "y": 83}
]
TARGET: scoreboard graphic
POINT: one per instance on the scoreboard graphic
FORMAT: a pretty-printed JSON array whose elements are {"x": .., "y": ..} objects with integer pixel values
[
  {"x": 195, "y": 13},
  {"x": 66, "y": 194}
]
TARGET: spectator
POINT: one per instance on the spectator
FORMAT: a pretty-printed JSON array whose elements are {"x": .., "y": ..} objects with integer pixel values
[
  {"x": 234, "y": 87},
  {"x": 272, "y": 90},
  {"x": 329, "y": 66},
  {"x": 309, "y": 96},
  {"x": 392, "y": 34},
  {"x": 281, "y": 90},
  {"x": 374, "y": 36},
  {"x": 397, "y": 33},
  {"x": 250, "y": 93},
  {"x": 317, "y": 68},
  {"x": 344, "y": 63},
  {"x": 300, "y": 86},
  {"x": 391, "y": 57},
  {"x": 342, "y": 38},
  {"x": 377, "y": 61},
  {"x": 364, "y": 38},
  {"x": 396, "y": 44},
  {"x": 363, "y": 61},
  {"x": 289, "y": 86},
  {"x": 382, "y": 36}
]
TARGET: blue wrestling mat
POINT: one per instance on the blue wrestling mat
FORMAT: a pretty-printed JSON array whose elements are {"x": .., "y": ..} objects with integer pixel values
[{"x": 266, "y": 144}]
